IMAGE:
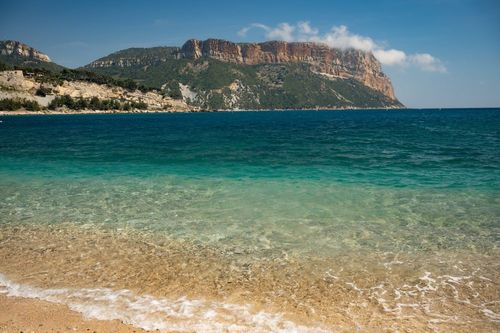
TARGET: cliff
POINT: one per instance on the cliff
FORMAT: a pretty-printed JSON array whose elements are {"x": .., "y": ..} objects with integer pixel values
[
  {"x": 217, "y": 74},
  {"x": 359, "y": 65},
  {"x": 12, "y": 47},
  {"x": 15, "y": 53}
]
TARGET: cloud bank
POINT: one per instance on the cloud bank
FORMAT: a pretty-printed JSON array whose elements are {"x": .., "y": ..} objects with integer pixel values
[{"x": 341, "y": 37}]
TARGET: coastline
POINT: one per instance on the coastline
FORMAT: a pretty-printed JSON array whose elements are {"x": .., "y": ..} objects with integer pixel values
[
  {"x": 178, "y": 241},
  {"x": 71, "y": 112},
  {"x": 32, "y": 315},
  {"x": 93, "y": 112},
  {"x": 155, "y": 282}
]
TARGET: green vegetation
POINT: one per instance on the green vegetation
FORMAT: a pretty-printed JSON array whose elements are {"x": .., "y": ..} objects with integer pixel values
[
  {"x": 10, "y": 104},
  {"x": 43, "y": 91},
  {"x": 4, "y": 67},
  {"x": 14, "y": 60},
  {"x": 173, "y": 90},
  {"x": 267, "y": 86},
  {"x": 56, "y": 77},
  {"x": 214, "y": 84},
  {"x": 147, "y": 56},
  {"x": 94, "y": 104},
  {"x": 216, "y": 101}
]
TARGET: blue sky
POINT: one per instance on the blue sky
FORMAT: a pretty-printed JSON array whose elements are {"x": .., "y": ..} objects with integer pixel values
[{"x": 438, "y": 53}]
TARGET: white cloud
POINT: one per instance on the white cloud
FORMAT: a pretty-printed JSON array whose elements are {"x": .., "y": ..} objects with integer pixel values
[
  {"x": 306, "y": 29},
  {"x": 428, "y": 63},
  {"x": 391, "y": 57},
  {"x": 340, "y": 37},
  {"x": 243, "y": 32},
  {"x": 283, "y": 31}
]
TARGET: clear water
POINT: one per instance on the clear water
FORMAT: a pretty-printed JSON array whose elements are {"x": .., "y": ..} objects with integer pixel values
[
  {"x": 303, "y": 180},
  {"x": 306, "y": 183}
]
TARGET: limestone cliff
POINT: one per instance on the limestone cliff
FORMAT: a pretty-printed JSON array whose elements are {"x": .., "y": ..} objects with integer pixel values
[
  {"x": 217, "y": 74},
  {"x": 15, "y": 48},
  {"x": 335, "y": 63}
]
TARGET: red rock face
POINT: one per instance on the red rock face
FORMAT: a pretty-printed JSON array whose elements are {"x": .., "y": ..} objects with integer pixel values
[{"x": 355, "y": 64}]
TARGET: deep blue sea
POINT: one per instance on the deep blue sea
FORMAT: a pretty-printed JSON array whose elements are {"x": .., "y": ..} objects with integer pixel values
[{"x": 305, "y": 183}]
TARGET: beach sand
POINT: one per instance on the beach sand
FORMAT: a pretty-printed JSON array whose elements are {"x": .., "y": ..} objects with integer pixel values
[
  {"x": 30, "y": 315},
  {"x": 68, "y": 257}
]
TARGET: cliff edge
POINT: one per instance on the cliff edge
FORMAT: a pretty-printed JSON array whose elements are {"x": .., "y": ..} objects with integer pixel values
[{"x": 359, "y": 65}]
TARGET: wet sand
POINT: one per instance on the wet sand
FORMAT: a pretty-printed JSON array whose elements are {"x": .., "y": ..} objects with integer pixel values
[
  {"x": 28, "y": 315},
  {"x": 232, "y": 287}
]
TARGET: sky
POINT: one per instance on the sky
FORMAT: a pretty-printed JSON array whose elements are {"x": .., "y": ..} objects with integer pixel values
[{"x": 438, "y": 53}]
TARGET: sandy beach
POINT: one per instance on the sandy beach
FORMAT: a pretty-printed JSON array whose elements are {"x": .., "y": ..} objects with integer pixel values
[
  {"x": 250, "y": 222},
  {"x": 30, "y": 315},
  {"x": 74, "y": 270},
  {"x": 250, "y": 167}
]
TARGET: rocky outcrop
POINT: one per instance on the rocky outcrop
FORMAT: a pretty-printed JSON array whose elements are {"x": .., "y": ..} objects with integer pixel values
[
  {"x": 119, "y": 63},
  {"x": 333, "y": 63},
  {"x": 15, "y": 80},
  {"x": 13, "y": 84},
  {"x": 15, "y": 48}
]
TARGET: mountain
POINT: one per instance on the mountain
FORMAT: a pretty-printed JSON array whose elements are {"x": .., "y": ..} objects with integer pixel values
[
  {"x": 30, "y": 80},
  {"x": 218, "y": 74},
  {"x": 356, "y": 64},
  {"x": 15, "y": 53}
]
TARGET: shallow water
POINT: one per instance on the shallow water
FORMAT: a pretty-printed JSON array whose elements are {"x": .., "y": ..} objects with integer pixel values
[{"x": 335, "y": 220}]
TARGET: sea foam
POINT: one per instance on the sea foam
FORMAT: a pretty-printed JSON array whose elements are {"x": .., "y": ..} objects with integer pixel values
[{"x": 153, "y": 313}]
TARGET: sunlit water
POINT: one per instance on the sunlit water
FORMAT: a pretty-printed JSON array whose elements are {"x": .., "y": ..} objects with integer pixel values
[{"x": 397, "y": 211}]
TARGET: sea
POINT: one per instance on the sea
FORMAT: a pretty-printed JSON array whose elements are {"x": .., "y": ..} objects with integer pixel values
[{"x": 270, "y": 221}]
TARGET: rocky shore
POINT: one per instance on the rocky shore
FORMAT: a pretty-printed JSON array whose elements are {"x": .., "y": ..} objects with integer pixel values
[{"x": 15, "y": 85}]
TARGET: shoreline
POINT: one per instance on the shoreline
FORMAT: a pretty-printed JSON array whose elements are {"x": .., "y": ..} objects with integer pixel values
[
  {"x": 72, "y": 112},
  {"x": 149, "y": 280},
  {"x": 18, "y": 314},
  {"x": 344, "y": 221},
  {"x": 94, "y": 112}
]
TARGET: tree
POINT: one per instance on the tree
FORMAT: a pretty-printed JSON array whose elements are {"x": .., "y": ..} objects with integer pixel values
[
  {"x": 4, "y": 67},
  {"x": 174, "y": 90},
  {"x": 9, "y": 104},
  {"x": 43, "y": 91},
  {"x": 94, "y": 103},
  {"x": 31, "y": 105},
  {"x": 129, "y": 84}
]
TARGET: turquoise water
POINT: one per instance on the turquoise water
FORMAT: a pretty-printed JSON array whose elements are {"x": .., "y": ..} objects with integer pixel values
[
  {"x": 307, "y": 182},
  {"x": 297, "y": 221}
]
